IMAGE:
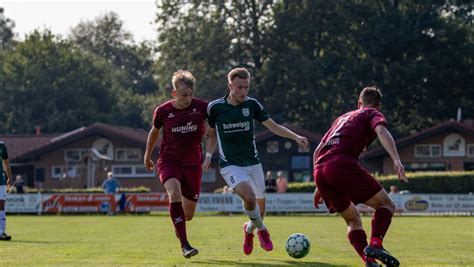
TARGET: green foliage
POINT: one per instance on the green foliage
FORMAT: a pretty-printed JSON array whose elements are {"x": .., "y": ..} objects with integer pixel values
[
  {"x": 308, "y": 59},
  {"x": 419, "y": 182},
  {"x": 433, "y": 183}
]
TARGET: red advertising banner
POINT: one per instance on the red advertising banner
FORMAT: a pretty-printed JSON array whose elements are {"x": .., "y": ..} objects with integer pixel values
[
  {"x": 146, "y": 202},
  {"x": 78, "y": 203}
]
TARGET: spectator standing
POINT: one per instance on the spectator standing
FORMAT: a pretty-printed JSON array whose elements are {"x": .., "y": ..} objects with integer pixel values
[
  {"x": 110, "y": 185},
  {"x": 270, "y": 183},
  {"x": 281, "y": 183}
]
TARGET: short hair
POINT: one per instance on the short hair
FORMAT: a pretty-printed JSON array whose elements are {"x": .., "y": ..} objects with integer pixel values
[
  {"x": 185, "y": 77},
  {"x": 241, "y": 73},
  {"x": 370, "y": 96}
]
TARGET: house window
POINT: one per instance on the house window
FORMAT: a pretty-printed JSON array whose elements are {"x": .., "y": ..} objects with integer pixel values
[
  {"x": 209, "y": 176},
  {"x": 128, "y": 154},
  {"x": 272, "y": 147},
  {"x": 469, "y": 166},
  {"x": 425, "y": 166},
  {"x": 75, "y": 154},
  {"x": 470, "y": 150},
  {"x": 131, "y": 171},
  {"x": 427, "y": 151},
  {"x": 300, "y": 162},
  {"x": 59, "y": 171}
]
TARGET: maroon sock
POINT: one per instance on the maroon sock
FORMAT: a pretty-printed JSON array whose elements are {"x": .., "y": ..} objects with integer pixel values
[
  {"x": 358, "y": 240},
  {"x": 380, "y": 222},
  {"x": 179, "y": 222}
]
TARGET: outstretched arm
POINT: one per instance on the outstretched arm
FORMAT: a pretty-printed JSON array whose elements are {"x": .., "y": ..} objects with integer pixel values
[
  {"x": 389, "y": 144},
  {"x": 285, "y": 132},
  {"x": 150, "y": 144},
  {"x": 211, "y": 142}
]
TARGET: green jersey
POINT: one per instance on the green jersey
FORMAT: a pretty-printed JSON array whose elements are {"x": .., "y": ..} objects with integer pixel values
[
  {"x": 235, "y": 130},
  {"x": 3, "y": 156}
]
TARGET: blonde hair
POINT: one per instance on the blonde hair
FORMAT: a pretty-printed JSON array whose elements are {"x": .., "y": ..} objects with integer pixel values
[
  {"x": 185, "y": 77},
  {"x": 241, "y": 73}
]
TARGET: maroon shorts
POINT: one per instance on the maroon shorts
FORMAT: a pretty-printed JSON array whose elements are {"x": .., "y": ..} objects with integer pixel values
[
  {"x": 188, "y": 176},
  {"x": 343, "y": 183}
]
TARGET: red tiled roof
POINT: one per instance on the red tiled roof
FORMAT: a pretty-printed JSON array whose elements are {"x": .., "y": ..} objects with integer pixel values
[
  {"x": 466, "y": 127},
  {"x": 20, "y": 144}
]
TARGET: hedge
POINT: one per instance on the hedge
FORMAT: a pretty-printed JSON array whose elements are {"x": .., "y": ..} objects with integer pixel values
[{"x": 418, "y": 182}]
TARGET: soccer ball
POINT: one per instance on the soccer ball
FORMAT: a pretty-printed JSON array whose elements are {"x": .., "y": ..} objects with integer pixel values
[{"x": 297, "y": 245}]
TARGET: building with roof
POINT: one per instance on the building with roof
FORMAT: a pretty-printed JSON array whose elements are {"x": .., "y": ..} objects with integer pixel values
[
  {"x": 446, "y": 146},
  {"x": 81, "y": 158}
]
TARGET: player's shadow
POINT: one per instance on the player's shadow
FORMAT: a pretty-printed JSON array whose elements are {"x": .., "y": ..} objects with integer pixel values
[
  {"x": 279, "y": 263},
  {"x": 35, "y": 241}
]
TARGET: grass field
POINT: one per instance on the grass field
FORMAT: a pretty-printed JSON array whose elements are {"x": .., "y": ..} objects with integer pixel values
[{"x": 150, "y": 241}]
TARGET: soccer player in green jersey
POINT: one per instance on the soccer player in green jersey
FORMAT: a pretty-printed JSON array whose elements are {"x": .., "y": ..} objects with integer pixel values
[
  {"x": 231, "y": 121},
  {"x": 5, "y": 175}
]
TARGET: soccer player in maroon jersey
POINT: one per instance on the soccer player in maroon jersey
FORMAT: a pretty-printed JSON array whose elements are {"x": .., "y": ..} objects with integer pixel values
[
  {"x": 182, "y": 121},
  {"x": 343, "y": 183}
]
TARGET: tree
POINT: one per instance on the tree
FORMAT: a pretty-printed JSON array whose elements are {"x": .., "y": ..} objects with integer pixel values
[{"x": 49, "y": 84}]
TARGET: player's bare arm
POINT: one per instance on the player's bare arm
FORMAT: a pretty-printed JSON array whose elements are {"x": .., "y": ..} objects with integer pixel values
[
  {"x": 389, "y": 144},
  {"x": 150, "y": 144},
  {"x": 8, "y": 171},
  {"x": 211, "y": 142},
  {"x": 316, "y": 151},
  {"x": 285, "y": 132}
]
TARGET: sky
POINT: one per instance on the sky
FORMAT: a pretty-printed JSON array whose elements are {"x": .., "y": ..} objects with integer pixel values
[{"x": 61, "y": 15}]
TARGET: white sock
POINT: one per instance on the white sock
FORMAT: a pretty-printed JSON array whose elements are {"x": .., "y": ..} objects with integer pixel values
[
  {"x": 255, "y": 219},
  {"x": 3, "y": 221}
]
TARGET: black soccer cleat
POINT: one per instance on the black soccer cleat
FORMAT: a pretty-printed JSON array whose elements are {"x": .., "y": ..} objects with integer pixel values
[
  {"x": 189, "y": 251},
  {"x": 372, "y": 264},
  {"x": 382, "y": 255},
  {"x": 5, "y": 237}
]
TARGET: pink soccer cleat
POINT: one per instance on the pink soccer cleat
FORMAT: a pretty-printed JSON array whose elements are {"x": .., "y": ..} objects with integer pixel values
[
  {"x": 248, "y": 241},
  {"x": 265, "y": 241}
]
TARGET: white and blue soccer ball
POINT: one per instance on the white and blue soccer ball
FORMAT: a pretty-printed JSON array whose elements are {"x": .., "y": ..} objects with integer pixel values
[{"x": 297, "y": 245}]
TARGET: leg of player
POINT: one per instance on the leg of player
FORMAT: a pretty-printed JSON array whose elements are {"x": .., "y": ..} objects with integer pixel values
[
  {"x": 173, "y": 188},
  {"x": 384, "y": 209},
  {"x": 263, "y": 234},
  {"x": 189, "y": 208},
  {"x": 253, "y": 211},
  {"x": 3, "y": 222},
  {"x": 356, "y": 233}
]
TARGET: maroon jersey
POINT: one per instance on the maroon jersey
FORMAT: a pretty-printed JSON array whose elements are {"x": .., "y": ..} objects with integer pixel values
[
  {"x": 183, "y": 130},
  {"x": 349, "y": 135}
]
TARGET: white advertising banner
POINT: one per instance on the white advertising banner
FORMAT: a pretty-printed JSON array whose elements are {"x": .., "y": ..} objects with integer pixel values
[
  {"x": 208, "y": 202},
  {"x": 23, "y": 203},
  {"x": 290, "y": 202},
  {"x": 409, "y": 203},
  {"x": 303, "y": 202}
]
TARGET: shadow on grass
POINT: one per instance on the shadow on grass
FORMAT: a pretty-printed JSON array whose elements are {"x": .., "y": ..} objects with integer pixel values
[
  {"x": 277, "y": 263},
  {"x": 36, "y": 241}
]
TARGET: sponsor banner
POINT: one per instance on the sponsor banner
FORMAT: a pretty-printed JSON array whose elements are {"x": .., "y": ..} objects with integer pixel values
[
  {"x": 53, "y": 203},
  {"x": 433, "y": 203},
  {"x": 219, "y": 203},
  {"x": 146, "y": 202},
  {"x": 294, "y": 202},
  {"x": 23, "y": 203},
  {"x": 303, "y": 202}
]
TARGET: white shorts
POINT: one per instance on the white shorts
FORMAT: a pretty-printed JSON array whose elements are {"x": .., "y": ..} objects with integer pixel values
[
  {"x": 3, "y": 192},
  {"x": 234, "y": 175}
]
